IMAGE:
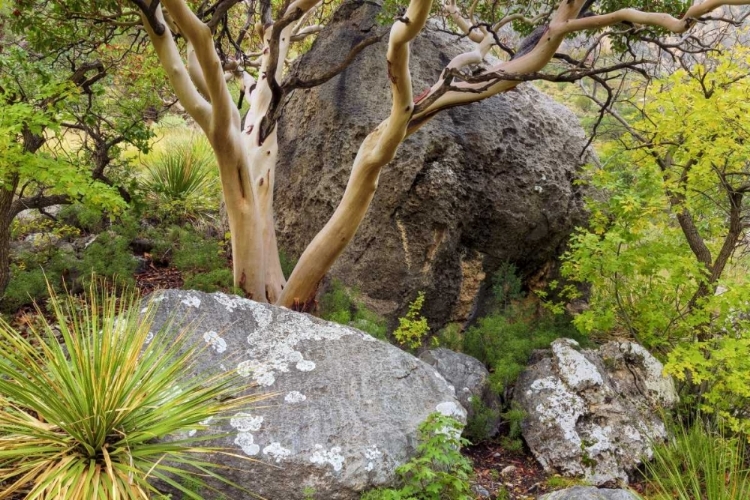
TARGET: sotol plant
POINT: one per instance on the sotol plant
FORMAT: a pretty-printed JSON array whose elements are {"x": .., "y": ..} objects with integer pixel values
[{"x": 82, "y": 400}]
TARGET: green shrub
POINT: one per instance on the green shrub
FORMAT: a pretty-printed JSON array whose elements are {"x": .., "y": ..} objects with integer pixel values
[
  {"x": 506, "y": 286},
  {"x": 194, "y": 252},
  {"x": 480, "y": 426},
  {"x": 412, "y": 328},
  {"x": 699, "y": 463},
  {"x": 342, "y": 306},
  {"x": 369, "y": 322},
  {"x": 512, "y": 441},
  {"x": 26, "y": 285},
  {"x": 337, "y": 304},
  {"x": 438, "y": 471},
  {"x": 83, "y": 217},
  {"x": 212, "y": 281},
  {"x": 504, "y": 341},
  {"x": 108, "y": 256},
  {"x": 451, "y": 337},
  {"x": 83, "y": 402}
]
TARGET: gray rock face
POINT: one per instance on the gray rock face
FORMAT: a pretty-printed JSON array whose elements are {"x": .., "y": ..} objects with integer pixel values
[
  {"x": 589, "y": 493},
  {"x": 469, "y": 378},
  {"x": 593, "y": 413},
  {"x": 347, "y": 406},
  {"x": 476, "y": 186}
]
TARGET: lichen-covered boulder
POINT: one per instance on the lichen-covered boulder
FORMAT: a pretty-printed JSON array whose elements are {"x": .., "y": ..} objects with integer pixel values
[
  {"x": 347, "y": 406},
  {"x": 593, "y": 413},
  {"x": 471, "y": 381},
  {"x": 589, "y": 493}
]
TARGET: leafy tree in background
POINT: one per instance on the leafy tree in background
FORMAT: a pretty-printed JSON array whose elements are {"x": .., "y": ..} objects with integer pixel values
[
  {"x": 662, "y": 238},
  {"x": 65, "y": 115}
]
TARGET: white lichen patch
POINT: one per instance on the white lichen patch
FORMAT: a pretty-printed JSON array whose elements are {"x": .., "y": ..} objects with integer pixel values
[
  {"x": 561, "y": 407},
  {"x": 660, "y": 387},
  {"x": 305, "y": 365},
  {"x": 233, "y": 302},
  {"x": 273, "y": 343},
  {"x": 149, "y": 338},
  {"x": 246, "y": 441},
  {"x": 215, "y": 341},
  {"x": 451, "y": 409},
  {"x": 372, "y": 454},
  {"x": 295, "y": 397},
  {"x": 575, "y": 370},
  {"x": 321, "y": 456},
  {"x": 598, "y": 440},
  {"x": 192, "y": 301},
  {"x": 205, "y": 422},
  {"x": 244, "y": 422},
  {"x": 277, "y": 452},
  {"x": 294, "y": 357}
]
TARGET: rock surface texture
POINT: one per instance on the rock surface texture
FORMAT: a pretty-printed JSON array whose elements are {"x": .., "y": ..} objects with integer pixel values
[
  {"x": 476, "y": 186},
  {"x": 589, "y": 493},
  {"x": 469, "y": 378},
  {"x": 347, "y": 406},
  {"x": 592, "y": 413}
]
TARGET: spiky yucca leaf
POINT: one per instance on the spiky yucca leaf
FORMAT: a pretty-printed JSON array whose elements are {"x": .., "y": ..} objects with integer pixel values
[
  {"x": 82, "y": 401},
  {"x": 186, "y": 168}
]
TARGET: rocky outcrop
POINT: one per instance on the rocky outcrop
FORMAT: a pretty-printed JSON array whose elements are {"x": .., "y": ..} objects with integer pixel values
[
  {"x": 471, "y": 381},
  {"x": 476, "y": 186},
  {"x": 593, "y": 413},
  {"x": 346, "y": 409},
  {"x": 589, "y": 493}
]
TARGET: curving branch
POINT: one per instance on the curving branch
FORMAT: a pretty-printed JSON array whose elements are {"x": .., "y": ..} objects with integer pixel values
[
  {"x": 169, "y": 56},
  {"x": 567, "y": 19},
  {"x": 224, "y": 115},
  {"x": 294, "y": 82},
  {"x": 378, "y": 148}
]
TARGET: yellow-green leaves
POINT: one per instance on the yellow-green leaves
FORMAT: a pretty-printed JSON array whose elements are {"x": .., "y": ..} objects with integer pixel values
[{"x": 413, "y": 327}]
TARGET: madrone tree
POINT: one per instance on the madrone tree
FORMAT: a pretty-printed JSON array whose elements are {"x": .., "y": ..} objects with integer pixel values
[{"x": 247, "y": 152}]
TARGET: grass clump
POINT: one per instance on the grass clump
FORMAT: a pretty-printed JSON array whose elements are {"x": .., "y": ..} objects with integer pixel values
[
  {"x": 82, "y": 401},
  {"x": 181, "y": 177},
  {"x": 699, "y": 463}
]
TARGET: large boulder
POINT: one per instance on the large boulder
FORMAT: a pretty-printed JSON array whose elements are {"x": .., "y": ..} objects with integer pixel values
[
  {"x": 589, "y": 493},
  {"x": 347, "y": 406},
  {"x": 594, "y": 413},
  {"x": 471, "y": 381},
  {"x": 477, "y": 186}
]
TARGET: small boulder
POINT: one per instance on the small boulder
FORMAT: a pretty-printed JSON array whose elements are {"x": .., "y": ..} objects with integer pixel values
[
  {"x": 593, "y": 413},
  {"x": 347, "y": 405},
  {"x": 471, "y": 381},
  {"x": 589, "y": 493}
]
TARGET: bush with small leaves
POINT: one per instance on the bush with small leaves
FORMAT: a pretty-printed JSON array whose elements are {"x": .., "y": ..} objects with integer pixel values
[
  {"x": 412, "y": 328},
  {"x": 438, "y": 471}
]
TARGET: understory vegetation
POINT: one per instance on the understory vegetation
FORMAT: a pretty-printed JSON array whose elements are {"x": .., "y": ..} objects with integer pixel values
[{"x": 84, "y": 394}]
